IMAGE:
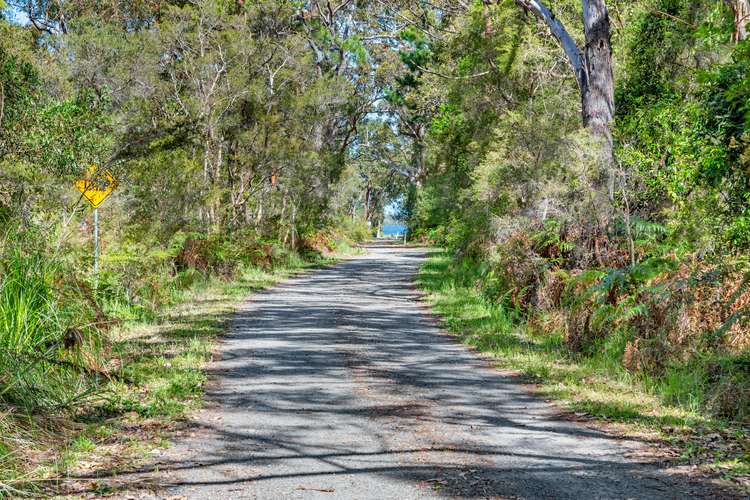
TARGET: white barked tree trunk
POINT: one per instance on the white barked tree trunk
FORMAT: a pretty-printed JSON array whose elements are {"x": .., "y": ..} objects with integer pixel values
[{"x": 593, "y": 70}]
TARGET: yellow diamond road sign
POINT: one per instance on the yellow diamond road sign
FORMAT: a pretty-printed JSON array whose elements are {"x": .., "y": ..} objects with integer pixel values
[{"x": 96, "y": 186}]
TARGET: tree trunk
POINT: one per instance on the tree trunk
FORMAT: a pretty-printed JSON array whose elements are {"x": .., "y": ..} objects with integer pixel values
[
  {"x": 2, "y": 103},
  {"x": 205, "y": 211},
  {"x": 741, "y": 9},
  {"x": 593, "y": 71},
  {"x": 368, "y": 193},
  {"x": 293, "y": 226},
  {"x": 259, "y": 215},
  {"x": 419, "y": 155},
  {"x": 216, "y": 202},
  {"x": 488, "y": 28},
  {"x": 281, "y": 218},
  {"x": 598, "y": 93}
]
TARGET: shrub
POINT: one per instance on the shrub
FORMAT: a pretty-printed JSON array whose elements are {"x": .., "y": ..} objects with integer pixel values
[
  {"x": 49, "y": 343},
  {"x": 515, "y": 273},
  {"x": 681, "y": 324},
  {"x": 672, "y": 316},
  {"x": 136, "y": 280}
]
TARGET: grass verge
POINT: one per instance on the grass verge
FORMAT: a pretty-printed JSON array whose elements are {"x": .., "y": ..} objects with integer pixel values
[
  {"x": 158, "y": 377},
  {"x": 592, "y": 388}
]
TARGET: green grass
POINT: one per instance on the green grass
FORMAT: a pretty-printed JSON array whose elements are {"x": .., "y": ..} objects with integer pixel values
[
  {"x": 667, "y": 409},
  {"x": 38, "y": 374}
]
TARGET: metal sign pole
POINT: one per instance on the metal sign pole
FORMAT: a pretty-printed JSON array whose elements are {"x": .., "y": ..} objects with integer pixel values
[
  {"x": 96, "y": 248},
  {"x": 96, "y": 187}
]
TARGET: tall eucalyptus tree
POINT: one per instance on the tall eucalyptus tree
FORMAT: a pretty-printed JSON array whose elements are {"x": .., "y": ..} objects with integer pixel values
[{"x": 593, "y": 68}]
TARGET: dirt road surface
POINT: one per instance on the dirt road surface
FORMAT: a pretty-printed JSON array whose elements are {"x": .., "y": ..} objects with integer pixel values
[{"x": 339, "y": 384}]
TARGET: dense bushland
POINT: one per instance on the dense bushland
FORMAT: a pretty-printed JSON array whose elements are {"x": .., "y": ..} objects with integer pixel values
[
  {"x": 679, "y": 324},
  {"x": 651, "y": 286},
  {"x": 55, "y": 320}
]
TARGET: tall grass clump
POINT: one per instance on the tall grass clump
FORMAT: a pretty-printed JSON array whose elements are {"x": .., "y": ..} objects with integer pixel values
[{"x": 48, "y": 344}]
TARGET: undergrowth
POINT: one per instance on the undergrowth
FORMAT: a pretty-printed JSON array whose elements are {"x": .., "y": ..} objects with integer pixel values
[
  {"x": 93, "y": 377},
  {"x": 592, "y": 382}
]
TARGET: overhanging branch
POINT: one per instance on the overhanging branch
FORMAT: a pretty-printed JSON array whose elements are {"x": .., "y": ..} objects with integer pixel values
[{"x": 573, "y": 53}]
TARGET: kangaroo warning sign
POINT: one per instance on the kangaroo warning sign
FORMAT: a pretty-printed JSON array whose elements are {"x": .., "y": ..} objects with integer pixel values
[{"x": 97, "y": 185}]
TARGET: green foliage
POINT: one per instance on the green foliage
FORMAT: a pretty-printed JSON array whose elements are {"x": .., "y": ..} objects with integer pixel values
[
  {"x": 46, "y": 345},
  {"x": 20, "y": 82},
  {"x": 682, "y": 129},
  {"x": 549, "y": 241},
  {"x": 711, "y": 383},
  {"x": 510, "y": 191}
]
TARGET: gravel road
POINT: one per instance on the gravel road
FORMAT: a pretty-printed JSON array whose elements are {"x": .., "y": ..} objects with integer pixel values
[{"x": 338, "y": 384}]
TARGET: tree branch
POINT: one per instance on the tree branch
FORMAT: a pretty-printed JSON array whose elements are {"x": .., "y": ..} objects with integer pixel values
[
  {"x": 573, "y": 53},
  {"x": 449, "y": 77},
  {"x": 2, "y": 103}
]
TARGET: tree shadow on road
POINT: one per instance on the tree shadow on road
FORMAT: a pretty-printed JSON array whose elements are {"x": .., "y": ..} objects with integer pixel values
[{"x": 302, "y": 372}]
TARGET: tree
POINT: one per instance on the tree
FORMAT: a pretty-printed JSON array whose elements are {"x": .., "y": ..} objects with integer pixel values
[
  {"x": 741, "y": 10},
  {"x": 592, "y": 65}
]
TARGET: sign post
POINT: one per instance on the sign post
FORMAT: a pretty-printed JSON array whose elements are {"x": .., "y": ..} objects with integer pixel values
[
  {"x": 96, "y": 187},
  {"x": 96, "y": 246}
]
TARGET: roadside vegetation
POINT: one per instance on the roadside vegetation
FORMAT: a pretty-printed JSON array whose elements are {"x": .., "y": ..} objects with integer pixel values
[
  {"x": 676, "y": 409},
  {"x": 231, "y": 148},
  {"x": 94, "y": 379}
]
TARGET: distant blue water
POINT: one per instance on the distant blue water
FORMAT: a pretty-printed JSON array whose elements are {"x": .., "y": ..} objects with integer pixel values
[{"x": 393, "y": 230}]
